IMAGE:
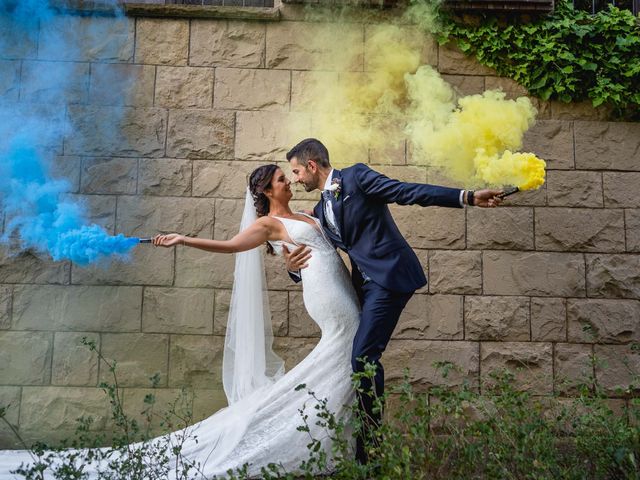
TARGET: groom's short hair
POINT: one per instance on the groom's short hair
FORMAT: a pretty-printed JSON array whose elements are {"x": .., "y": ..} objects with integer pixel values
[{"x": 310, "y": 149}]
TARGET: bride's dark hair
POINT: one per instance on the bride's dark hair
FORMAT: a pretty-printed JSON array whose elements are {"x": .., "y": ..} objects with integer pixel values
[{"x": 259, "y": 181}]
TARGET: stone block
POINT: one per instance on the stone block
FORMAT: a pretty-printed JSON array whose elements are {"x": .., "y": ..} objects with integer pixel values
[
  {"x": 200, "y": 134},
  {"x": 252, "y": 89},
  {"x": 577, "y": 229},
  {"x": 603, "y": 321},
  {"x": 122, "y": 84},
  {"x": 48, "y": 119},
  {"x": 228, "y": 216},
  {"x": 411, "y": 38},
  {"x": 10, "y": 399},
  {"x": 632, "y": 226},
  {"x": 196, "y": 361},
  {"x": 512, "y": 88},
  {"x": 222, "y": 43},
  {"x": 431, "y": 317},
  {"x": 162, "y": 41},
  {"x": 200, "y": 269},
  {"x": 117, "y": 131},
  {"x": 67, "y": 168},
  {"x": 98, "y": 209},
  {"x": 300, "y": 323},
  {"x": 145, "y": 216},
  {"x": 87, "y": 38},
  {"x": 307, "y": 88},
  {"x": 53, "y": 412},
  {"x": 184, "y": 87},
  {"x": 109, "y": 175},
  {"x": 496, "y": 318},
  {"x": 137, "y": 356},
  {"x": 451, "y": 60},
  {"x": 177, "y": 310},
  {"x": 77, "y": 308},
  {"x": 222, "y": 179},
  {"x": 613, "y": 276},
  {"x": 54, "y": 82},
  {"x": 9, "y": 80},
  {"x": 278, "y": 305},
  {"x": 277, "y": 275},
  {"x": 29, "y": 267},
  {"x": 551, "y": 140},
  {"x": 573, "y": 368},
  {"x": 548, "y": 319},
  {"x": 425, "y": 360},
  {"x": 617, "y": 368},
  {"x": 314, "y": 46},
  {"x": 207, "y": 402},
  {"x": 530, "y": 362},
  {"x": 502, "y": 228},
  {"x": 145, "y": 265},
  {"x": 579, "y": 111},
  {"x": 293, "y": 350},
  {"x": 455, "y": 272},
  {"x": 269, "y": 135},
  {"x": 164, "y": 177},
  {"x": 10, "y": 30},
  {"x": 466, "y": 84},
  {"x": 434, "y": 227},
  {"x": 6, "y": 299},
  {"x": 574, "y": 189},
  {"x": 607, "y": 145},
  {"x": 392, "y": 149},
  {"x": 621, "y": 189},
  {"x": 533, "y": 273},
  {"x": 25, "y": 358},
  {"x": 411, "y": 174},
  {"x": 74, "y": 364}
]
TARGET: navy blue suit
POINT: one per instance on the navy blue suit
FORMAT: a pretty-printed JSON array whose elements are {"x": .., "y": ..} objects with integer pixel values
[{"x": 385, "y": 270}]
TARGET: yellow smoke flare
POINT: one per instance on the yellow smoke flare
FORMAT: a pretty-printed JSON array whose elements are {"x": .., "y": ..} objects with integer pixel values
[
  {"x": 397, "y": 104},
  {"x": 523, "y": 170}
]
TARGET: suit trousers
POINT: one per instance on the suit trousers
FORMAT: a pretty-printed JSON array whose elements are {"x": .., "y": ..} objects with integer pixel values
[{"x": 381, "y": 309}]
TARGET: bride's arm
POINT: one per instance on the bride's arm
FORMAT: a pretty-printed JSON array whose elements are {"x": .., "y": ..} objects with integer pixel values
[{"x": 258, "y": 233}]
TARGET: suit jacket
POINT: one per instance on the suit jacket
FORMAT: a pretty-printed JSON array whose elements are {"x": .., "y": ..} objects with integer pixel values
[{"x": 368, "y": 233}]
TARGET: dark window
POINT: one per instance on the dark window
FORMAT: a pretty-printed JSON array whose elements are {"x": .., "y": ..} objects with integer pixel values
[
  {"x": 594, "y": 6},
  {"x": 235, "y": 3}
]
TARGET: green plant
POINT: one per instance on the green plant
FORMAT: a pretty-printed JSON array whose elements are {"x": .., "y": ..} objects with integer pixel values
[{"x": 569, "y": 55}]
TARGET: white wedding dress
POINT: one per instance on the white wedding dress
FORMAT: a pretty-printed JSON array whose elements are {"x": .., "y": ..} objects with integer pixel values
[{"x": 262, "y": 427}]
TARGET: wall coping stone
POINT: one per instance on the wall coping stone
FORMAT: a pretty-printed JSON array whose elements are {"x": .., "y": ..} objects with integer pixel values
[{"x": 88, "y": 7}]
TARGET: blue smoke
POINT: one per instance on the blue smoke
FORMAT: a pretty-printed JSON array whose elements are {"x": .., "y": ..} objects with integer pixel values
[{"x": 35, "y": 214}]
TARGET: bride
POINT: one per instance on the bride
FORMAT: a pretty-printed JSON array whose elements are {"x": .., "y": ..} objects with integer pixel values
[{"x": 259, "y": 426}]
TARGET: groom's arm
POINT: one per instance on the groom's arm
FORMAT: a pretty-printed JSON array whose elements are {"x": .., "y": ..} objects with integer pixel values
[{"x": 389, "y": 190}]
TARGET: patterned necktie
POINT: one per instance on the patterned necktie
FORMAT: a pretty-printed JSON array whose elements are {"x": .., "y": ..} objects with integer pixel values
[{"x": 328, "y": 212}]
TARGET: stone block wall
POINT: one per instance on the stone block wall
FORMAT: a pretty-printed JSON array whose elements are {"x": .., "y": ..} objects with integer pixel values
[{"x": 544, "y": 283}]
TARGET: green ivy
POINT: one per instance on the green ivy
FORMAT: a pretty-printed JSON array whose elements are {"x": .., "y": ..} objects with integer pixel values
[{"x": 569, "y": 55}]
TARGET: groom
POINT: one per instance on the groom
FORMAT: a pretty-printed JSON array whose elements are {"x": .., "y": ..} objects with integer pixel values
[{"x": 385, "y": 271}]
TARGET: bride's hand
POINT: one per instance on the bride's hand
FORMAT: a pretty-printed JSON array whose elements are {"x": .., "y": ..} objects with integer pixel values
[{"x": 168, "y": 240}]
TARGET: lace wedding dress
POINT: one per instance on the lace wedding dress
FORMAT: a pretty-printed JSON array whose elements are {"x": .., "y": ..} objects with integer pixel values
[{"x": 262, "y": 427}]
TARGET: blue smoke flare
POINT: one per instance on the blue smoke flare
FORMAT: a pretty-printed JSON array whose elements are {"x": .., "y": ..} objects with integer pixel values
[
  {"x": 32, "y": 129},
  {"x": 36, "y": 217}
]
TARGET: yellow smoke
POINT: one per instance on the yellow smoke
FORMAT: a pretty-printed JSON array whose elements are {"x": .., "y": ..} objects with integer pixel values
[{"x": 399, "y": 103}]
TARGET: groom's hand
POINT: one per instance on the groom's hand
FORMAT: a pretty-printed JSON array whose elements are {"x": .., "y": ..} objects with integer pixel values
[
  {"x": 297, "y": 259},
  {"x": 486, "y": 198}
]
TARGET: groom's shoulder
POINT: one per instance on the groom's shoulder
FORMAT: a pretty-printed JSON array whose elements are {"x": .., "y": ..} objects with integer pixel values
[{"x": 355, "y": 169}]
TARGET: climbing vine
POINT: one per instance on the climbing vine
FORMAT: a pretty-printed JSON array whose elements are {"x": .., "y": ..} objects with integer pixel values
[{"x": 569, "y": 55}]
